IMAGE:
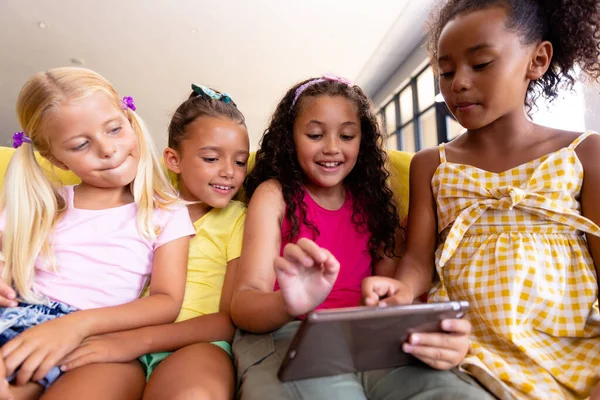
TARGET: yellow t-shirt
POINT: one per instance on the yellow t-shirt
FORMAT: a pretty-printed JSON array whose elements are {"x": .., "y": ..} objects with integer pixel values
[{"x": 218, "y": 240}]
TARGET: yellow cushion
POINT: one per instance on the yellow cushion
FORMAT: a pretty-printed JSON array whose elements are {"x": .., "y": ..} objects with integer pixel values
[
  {"x": 399, "y": 162},
  {"x": 398, "y": 165},
  {"x": 66, "y": 177}
]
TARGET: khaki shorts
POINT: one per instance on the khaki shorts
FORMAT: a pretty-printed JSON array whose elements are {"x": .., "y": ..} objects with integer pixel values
[{"x": 258, "y": 358}]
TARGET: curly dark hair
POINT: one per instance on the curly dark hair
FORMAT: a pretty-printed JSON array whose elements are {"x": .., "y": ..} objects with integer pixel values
[
  {"x": 373, "y": 206},
  {"x": 572, "y": 26},
  {"x": 200, "y": 105}
]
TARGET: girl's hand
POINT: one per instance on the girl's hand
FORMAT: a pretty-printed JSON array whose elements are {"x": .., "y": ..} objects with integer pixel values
[
  {"x": 7, "y": 294},
  {"x": 111, "y": 347},
  {"x": 441, "y": 350},
  {"x": 382, "y": 291},
  {"x": 37, "y": 350},
  {"x": 4, "y": 387},
  {"x": 306, "y": 273}
]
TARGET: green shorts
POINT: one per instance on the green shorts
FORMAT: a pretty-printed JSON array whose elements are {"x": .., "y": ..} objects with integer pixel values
[{"x": 151, "y": 361}]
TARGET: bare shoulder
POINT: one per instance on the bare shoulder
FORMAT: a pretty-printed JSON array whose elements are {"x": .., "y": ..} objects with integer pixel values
[
  {"x": 425, "y": 162},
  {"x": 588, "y": 152},
  {"x": 270, "y": 189},
  {"x": 561, "y": 138},
  {"x": 268, "y": 196}
]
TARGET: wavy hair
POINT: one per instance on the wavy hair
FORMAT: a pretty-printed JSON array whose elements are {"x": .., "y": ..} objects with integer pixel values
[{"x": 374, "y": 207}]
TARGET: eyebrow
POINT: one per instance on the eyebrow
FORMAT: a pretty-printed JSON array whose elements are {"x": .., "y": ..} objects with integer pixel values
[
  {"x": 71, "y": 138},
  {"x": 217, "y": 148},
  {"x": 470, "y": 50},
  {"x": 107, "y": 122},
  {"x": 214, "y": 148},
  {"x": 314, "y": 121},
  {"x": 112, "y": 120}
]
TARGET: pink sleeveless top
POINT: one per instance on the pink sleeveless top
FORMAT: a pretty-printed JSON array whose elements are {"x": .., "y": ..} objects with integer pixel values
[{"x": 342, "y": 238}]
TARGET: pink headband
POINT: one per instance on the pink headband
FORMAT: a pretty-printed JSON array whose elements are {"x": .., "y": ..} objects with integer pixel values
[{"x": 326, "y": 77}]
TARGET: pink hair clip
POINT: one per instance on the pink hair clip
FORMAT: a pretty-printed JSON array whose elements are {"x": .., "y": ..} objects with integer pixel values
[
  {"x": 335, "y": 78},
  {"x": 325, "y": 77}
]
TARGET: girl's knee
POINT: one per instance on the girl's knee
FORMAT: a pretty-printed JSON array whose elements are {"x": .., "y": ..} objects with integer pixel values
[
  {"x": 99, "y": 382},
  {"x": 198, "y": 390},
  {"x": 29, "y": 391}
]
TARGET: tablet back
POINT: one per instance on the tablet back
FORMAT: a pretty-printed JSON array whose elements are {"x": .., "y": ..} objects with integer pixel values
[{"x": 331, "y": 342}]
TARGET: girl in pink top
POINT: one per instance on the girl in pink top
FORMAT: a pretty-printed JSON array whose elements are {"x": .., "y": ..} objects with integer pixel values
[
  {"x": 75, "y": 259},
  {"x": 320, "y": 220}
]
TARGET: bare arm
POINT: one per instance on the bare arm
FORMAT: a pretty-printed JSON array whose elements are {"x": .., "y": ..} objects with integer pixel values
[
  {"x": 255, "y": 306},
  {"x": 386, "y": 266},
  {"x": 167, "y": 287},
  {"x": 416, "y": 267},
  {"x": 588, "y": 152},
  {"x": 204, "y": 328},
  {"x": 41, "y": 347},
  {"x": 414, "y": 272},
  {"x": 128, "y": 345}
]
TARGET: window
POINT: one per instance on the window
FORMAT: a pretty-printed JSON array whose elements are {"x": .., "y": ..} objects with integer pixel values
[
  {"x": 410, "y": 114},
  {"x": 429, "y": 128},
  {"x": 454, "y": 128},
  {"x": 426, "y": 87},
  {"x": 415, "y": 118},
  {"x": 408, "y": 138}
]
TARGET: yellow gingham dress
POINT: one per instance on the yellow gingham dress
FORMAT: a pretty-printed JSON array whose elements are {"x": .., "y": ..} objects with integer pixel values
[{"x": 513, "y": 244}]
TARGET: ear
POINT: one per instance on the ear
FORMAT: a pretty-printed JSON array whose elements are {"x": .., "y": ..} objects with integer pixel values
[
  {"x": 540, "y": 60},
  {"x": 55, "y": 162},
  {"x": 172, "y": 160}
]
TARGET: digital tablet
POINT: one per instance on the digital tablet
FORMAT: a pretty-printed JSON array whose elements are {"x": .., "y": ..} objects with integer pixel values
[{"x": 340, "y": 341}]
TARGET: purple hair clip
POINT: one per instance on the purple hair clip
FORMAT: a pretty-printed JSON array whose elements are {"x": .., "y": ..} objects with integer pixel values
[
  {"x": 127, "y": 102},
  {"x": 325, "y": 77},
  {"x": 19, "y": 138}
]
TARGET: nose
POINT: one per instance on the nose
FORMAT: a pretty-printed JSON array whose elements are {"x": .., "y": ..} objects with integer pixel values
[
  {"x": 331, "y": 145},
  {"x": 226, "y": 170},
  {"x": 107, "y": 148},
  {"x": 462, "y": 80}
]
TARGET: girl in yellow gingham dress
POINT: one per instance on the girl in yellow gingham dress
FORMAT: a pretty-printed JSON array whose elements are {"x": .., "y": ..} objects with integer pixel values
[
  {"x": 513, "y": 245},
  {"x": 522, "y": 243}
]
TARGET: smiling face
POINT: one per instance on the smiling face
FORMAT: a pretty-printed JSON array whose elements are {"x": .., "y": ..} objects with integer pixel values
[
  {"x": 94, "y": 139},
  {"x": 483, "y": 67},
  {"x": 327, "y": 138},
  {"x": 211, "y": 160}
]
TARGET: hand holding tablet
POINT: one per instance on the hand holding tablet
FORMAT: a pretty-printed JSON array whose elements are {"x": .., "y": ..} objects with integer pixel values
[{"x": 331, "y": 342}]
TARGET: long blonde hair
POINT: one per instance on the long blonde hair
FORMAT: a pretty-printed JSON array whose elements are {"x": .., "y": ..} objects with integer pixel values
[{"x": 32, "y": 202}]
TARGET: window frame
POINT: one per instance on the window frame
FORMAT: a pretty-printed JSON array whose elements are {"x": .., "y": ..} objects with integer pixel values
[{"x": 441, "y": 114}]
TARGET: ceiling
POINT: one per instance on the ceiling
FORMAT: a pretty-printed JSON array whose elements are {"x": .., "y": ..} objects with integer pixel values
[{"x": 153, "y": 50}]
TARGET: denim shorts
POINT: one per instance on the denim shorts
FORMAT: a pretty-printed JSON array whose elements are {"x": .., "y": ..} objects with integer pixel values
[{"x": 15, "y": 320}]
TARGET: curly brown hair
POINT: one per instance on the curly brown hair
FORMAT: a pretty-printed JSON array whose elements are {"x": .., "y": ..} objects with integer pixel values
[
  {"x": 373, "y": 206},
  {"x": 572, "y": 26}
]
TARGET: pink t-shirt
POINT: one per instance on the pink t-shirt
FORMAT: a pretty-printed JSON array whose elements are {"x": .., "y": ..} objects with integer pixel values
[
  {"x": 342, "y": 238},
  {"x": 102, "y": 260}
]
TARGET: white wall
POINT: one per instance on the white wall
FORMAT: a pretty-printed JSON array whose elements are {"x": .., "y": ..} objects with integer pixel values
[
  {"x": 418, "y": 57},
  {"x": 567, "y": 112},
  {"x": 591, "y": 95}
]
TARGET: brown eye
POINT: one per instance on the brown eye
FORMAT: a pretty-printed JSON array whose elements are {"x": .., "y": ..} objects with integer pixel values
[{"x": 479, "y": 67}]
